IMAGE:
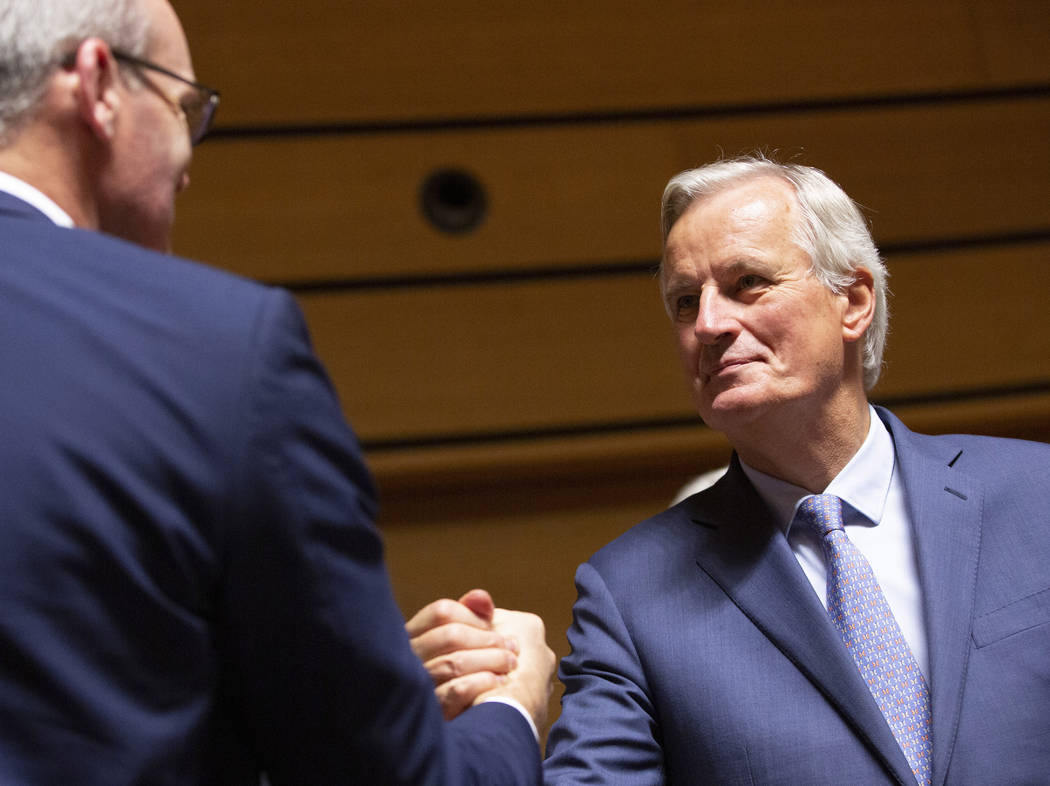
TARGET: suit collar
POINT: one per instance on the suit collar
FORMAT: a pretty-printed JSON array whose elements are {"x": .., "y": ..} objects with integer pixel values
[
  {"x": 21, "y": 200},
  {"x": 747, "y": 555},
  {"x": 945, "y": 508}
]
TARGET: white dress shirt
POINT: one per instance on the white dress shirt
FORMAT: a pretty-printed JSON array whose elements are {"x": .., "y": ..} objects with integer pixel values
[
  {"x": 876, "y": 520},
  {"x": 27, "y": 193}
]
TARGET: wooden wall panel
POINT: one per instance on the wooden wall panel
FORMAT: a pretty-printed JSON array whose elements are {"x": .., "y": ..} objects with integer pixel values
[
  {"x": 328, "y": 61},
  {"x": 969, "y": 320},
  {"x": 516, "y": 387},
  {"x": 451, "y": 362},
  {"x": 486, "y": 358},
  {"x": 346, "y": 207}
]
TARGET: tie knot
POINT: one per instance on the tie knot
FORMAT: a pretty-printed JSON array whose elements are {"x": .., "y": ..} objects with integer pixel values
[{"x": 822, "y": 513}]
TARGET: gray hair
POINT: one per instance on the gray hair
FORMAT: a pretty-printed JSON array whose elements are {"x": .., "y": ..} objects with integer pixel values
[
  {"x": 36, "y": 34},
  {"x": 832, "y": 231}
]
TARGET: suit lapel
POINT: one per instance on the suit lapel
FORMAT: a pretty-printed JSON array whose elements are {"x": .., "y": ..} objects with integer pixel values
[
  {"x": 945, "y": 506},
  {"x": 746, "y": 554}
]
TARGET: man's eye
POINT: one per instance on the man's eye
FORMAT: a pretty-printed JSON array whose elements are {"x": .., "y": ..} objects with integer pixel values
[
  {"x": 749, "y": 281},
  {"x": 685, "y": 307}
]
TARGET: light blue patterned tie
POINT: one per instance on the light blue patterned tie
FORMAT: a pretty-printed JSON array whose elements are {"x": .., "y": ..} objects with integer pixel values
[{"x": 871, "y": 634}]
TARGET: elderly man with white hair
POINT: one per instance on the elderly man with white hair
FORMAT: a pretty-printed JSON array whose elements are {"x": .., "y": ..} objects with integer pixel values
[{"x": 852, "y": 602}]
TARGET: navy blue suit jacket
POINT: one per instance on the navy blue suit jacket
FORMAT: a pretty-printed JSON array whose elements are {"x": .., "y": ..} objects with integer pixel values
[
  {"x": 191, "y": 587},
  {"x": 700, "y": 653}
]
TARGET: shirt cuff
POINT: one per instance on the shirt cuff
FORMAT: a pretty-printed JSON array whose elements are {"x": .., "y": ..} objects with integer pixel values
[{"x": 520, "y": 708}]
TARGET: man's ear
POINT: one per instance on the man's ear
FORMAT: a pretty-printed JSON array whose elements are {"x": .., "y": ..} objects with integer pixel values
[
  {"x": 860, "y": 306},
  {"x": 98, "y": 100}
]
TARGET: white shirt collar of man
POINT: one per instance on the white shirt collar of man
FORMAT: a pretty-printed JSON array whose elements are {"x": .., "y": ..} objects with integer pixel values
[
  {"x": 27, "y": 193},
  {"x": 863, "y": 484}
]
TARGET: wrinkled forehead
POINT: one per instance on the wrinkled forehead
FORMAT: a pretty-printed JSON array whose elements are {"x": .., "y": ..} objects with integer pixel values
[{"x": 757, "y": 210}]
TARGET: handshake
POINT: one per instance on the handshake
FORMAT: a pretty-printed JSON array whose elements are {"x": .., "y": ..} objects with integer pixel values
[{"x": 475, "y": 652}]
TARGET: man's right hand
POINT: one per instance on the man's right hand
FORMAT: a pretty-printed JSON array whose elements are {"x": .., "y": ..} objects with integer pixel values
[
  {"x": 474, "y": 652},
  {"x": 530, "y": 682}
]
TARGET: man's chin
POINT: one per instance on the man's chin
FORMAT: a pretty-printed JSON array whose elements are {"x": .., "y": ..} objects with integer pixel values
[{"x": 729, "y": 408}]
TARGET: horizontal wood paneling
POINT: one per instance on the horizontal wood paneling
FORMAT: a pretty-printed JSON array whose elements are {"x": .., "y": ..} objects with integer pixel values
[
  {"x": 434, "y": 362},
  {"x": 327, "y": 61},
  {"x": 499, "y": 357},
  {"x": 671, "y": 454},
  {"x": 346, "y": 207},
  {"x": 515, "y": 426},
  {"x": 965, "y": 320}
]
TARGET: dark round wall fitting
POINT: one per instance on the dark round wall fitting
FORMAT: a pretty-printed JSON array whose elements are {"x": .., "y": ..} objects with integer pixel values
[{"x": 453, "y": 200}]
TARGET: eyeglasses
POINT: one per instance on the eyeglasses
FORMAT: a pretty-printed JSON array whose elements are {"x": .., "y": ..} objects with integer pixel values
[{"x": 198, "y": 109}]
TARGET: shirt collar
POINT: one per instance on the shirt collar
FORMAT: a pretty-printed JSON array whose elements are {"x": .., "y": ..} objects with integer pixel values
[
  {"x": 863, "y": 484},
  {"x": 33, "y": 196}
]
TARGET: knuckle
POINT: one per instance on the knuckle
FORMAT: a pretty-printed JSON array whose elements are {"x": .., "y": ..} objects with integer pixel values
[
  {"x": 457, "y": 693},
  {"x": 454, "y": 665},
  {"x": 443, "y": 610},
  {"x": 531, "y": 620},
  {"x": 538, "y": 623},
  {"x": 445, "y": 638}
]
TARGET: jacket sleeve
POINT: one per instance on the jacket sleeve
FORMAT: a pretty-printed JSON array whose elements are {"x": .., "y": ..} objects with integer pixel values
[
  {"x": 607, "y": 731},
  {"x": 314, "y": 645}
]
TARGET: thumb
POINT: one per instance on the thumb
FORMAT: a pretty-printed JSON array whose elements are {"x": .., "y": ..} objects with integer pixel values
[{"x": 480, "y": 602}]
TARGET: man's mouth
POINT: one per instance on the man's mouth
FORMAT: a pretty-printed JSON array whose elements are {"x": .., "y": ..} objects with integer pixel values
[{"x": 724, "y": 365}]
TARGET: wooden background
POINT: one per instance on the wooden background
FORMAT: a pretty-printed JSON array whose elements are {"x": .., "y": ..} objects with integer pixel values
[{"x": 515, "y": 386}]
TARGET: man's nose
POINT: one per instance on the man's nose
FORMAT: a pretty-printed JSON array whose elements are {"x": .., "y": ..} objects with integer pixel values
[{"x": 715, "y": 316}]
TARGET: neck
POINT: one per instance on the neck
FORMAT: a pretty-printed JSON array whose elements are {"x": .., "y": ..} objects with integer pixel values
[
  {"x": 807, "y": 445},
  {"x": 42, "y": 156}
]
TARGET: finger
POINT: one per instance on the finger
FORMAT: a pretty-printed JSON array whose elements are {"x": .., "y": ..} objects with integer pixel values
[
  {"x": 452, "y": 637},
  {"x": 480, "y": 602},
  {"x": 442, "y": 612},
  {"x": 460, "y": 693},
  {"x": 531, "y": 682},
  {"x": 463, "y": 662}
]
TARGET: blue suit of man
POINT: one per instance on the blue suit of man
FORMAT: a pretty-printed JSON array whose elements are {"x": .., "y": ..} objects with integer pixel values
[
  {"x": 191, "y": 587},
  {"x": 700, "y": 653}
]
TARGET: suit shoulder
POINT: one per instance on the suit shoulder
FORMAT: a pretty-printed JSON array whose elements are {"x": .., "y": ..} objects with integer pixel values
[
  {"x": 195, "y": 278},
  {"x": 988, "y": 453},
  {"x": 648, "y": 543},
  {"x": 979, "y": 454},
  {"x": 58, "y": 252},
  {"x": 1007, "y": 466},
  {"x": 97, "y": 269},
  {"x": 1003, "y": 467}
]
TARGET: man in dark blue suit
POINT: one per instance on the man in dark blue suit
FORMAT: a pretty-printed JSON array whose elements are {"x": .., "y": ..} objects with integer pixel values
[
  {"x": 738, "y": 638},
  {"x": 191, "y": 587}
]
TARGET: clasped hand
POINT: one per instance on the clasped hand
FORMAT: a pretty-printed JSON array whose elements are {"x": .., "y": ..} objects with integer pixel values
[{"x": 474, "y": 651}]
